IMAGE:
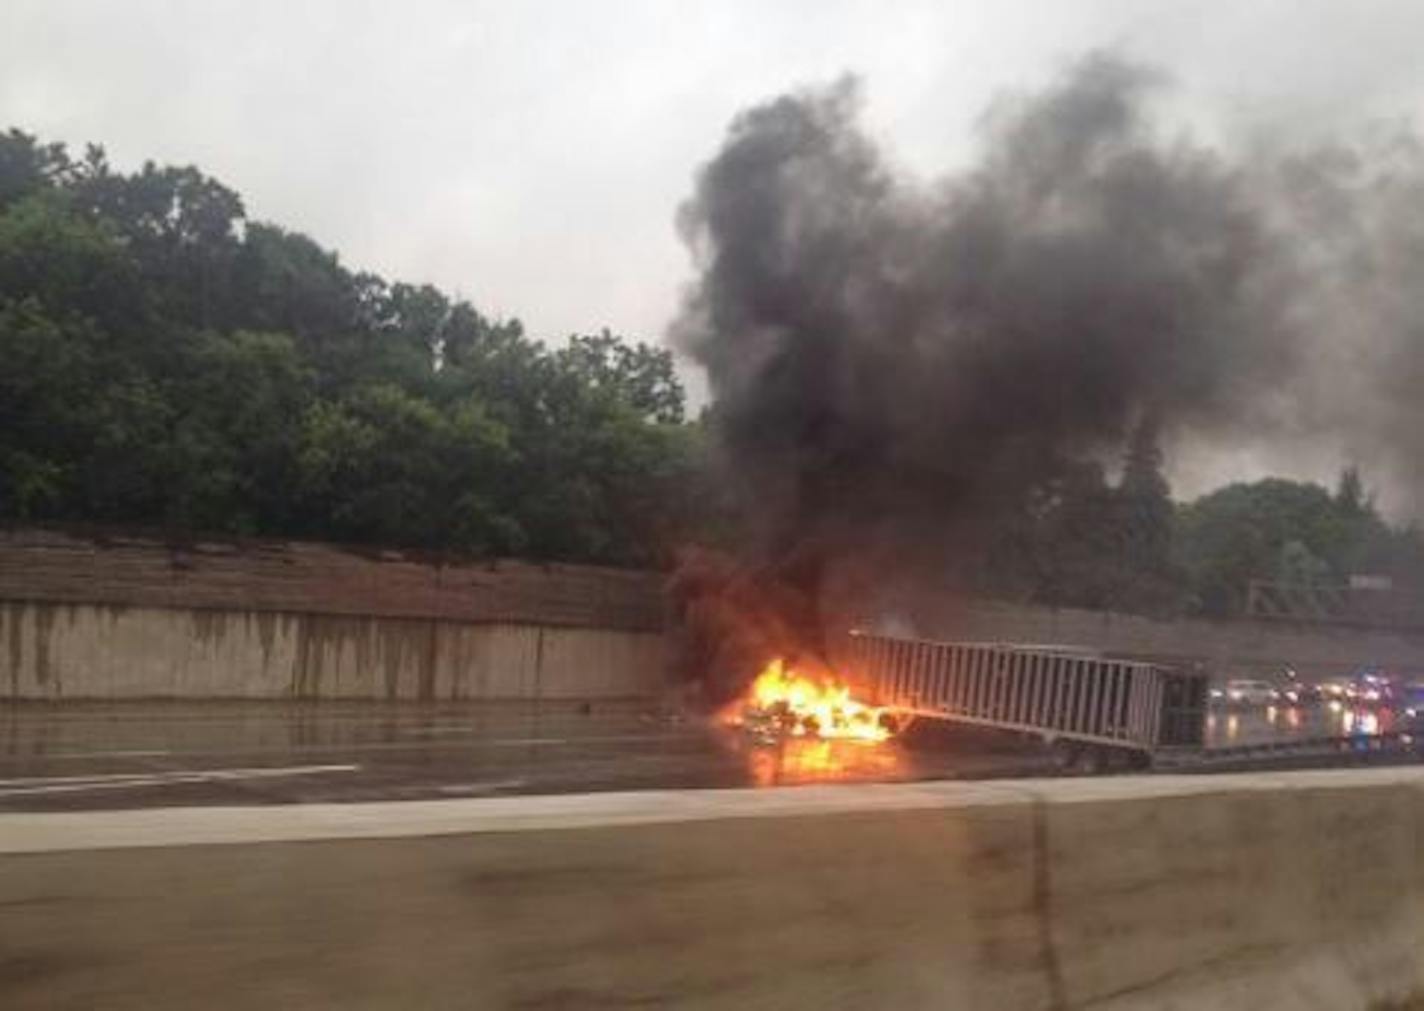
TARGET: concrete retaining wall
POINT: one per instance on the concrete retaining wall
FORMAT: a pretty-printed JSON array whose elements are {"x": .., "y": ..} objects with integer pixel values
[
  {"x": 1231, "y": 648},
  {"x": 1235, "y": 893},
  {"x": 302, "y": 578},
  {"x": 61, "y": 651},
  {"x": 118, "y": 616},
  {"x": 109, "y": 615}
]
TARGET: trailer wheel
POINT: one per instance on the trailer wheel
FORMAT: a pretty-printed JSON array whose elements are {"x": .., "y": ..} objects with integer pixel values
[
  {"x": 1118, "y": 759},
  {"x": 1091, "y": 761},
  {"x": 1065, "y": 756}
]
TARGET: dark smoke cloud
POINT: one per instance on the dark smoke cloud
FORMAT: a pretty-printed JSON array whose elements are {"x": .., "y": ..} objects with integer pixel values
[
  {"x": 1354, "y": 214},
  {"x": 894, "y": 364}
]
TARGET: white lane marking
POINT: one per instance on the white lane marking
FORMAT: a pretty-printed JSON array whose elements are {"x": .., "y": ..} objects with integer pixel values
[
  {"x": 489, "y": 786},
  {"x": 356, "y": 746},
  {"x": 106, "y": 754},
  {"x": 96, "y": 778},
  {"x": 76, "y": 784},
  {"x": 70, "y": 784}
]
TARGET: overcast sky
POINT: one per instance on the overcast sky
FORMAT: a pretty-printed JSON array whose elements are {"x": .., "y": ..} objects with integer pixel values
[{"x": 531, "y": 155}]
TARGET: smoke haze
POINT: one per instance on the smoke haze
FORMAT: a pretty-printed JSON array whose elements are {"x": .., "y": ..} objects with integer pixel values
[{"x": 895, "y": 363}]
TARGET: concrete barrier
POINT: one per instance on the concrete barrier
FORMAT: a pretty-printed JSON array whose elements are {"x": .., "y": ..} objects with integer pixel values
[
  {"x": 97, "y": 651},
  {"x": 1235, "y": 648},
  {"x": 1301, "y": 890},
  {"x": 122, "y": 616}
]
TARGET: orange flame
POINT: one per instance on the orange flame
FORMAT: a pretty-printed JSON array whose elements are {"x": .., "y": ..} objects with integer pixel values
[{"x": 807, "y": 708}]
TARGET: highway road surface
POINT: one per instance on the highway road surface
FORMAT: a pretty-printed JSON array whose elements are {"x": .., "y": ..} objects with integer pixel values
[
  {"x": 89, "y": 756},
  {"x": 80, "y": 756}
]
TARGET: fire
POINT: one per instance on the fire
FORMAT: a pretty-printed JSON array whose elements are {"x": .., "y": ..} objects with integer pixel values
[
  {"x": 797, "y": 760},
  {"x": 803, "y": 707}
]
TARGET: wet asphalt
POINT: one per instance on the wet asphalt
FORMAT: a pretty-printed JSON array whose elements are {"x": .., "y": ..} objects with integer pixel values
[{"x": 79, "y": 756}]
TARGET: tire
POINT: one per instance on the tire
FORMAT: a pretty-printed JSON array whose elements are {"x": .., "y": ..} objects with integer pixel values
[
  {"x": 1065, "y": 756},
  {"x": 1091, "y": 761},
  {"x": 1122, "y": 760}
]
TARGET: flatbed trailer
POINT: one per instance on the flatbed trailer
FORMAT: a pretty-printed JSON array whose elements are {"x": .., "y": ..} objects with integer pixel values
[{"x": 1095, "y": 712}]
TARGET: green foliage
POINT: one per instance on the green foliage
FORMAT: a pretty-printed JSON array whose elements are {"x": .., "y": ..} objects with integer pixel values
[
  {"x": 386, "y": 466},
  {"x": 27, "y": 166},
  {"x": 638, "y": 375},
  {"x": 1083, "y": 542},
  {"x": 164, "y": 360},
  {"x": 68, "y": 262},
  {"x": 1287, "y": 531},
  {"x": 46, "y": 421},
  {"x": 168, "y": 361}
]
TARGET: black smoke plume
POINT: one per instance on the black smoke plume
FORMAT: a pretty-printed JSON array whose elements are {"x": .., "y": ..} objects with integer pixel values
[
  {"x": 891, "y": 363},
  {"x": 895, "y": 364}
]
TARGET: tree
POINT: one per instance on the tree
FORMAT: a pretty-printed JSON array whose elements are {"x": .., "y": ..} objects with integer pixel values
[
  {"x": 1299, "y": 566},
  {"x": 180, "y": 225},
  {"x": 1078, "y": 541},
  {"x": 1059, "y": 550},
  {"x": 47, "y": 397},
  {"x": 170, "y": 362},
  {"x": 284, "y": 282},
  {"x": 240, "y": 400},
  {"x": 27, "y": 166},
  {"x": 1144, "y": 516},
  {"x": 1350, "y": 497},
  {"x": 1265, "y": 530},
  {"x": 70, "y": 264},
  {"x": 637, "y": 374}
]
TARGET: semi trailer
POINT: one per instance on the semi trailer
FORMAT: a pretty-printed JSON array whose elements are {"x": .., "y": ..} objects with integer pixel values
[{"x": 1095, "y": 712}]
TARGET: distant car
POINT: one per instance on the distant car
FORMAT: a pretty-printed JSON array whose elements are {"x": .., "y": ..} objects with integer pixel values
[
  {"x": 1411, "y": 703},
  {"x": 1299, "y": 693},
  {"x": 1295, "y": 691},
  {"x": 1247, "y": 692},
  {"x": 1377, "y": 689},
  {"x": 1339, "y": 689},
  {"x": 1368, "y": 688}
]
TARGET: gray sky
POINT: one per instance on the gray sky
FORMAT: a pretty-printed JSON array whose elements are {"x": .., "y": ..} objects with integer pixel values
[{"x": 531, "y": 155}]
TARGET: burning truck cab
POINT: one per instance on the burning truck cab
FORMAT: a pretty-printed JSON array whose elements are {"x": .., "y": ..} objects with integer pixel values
[{"x": 784, "y": 701}]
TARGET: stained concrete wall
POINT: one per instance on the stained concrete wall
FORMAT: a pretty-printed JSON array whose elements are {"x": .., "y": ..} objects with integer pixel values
[
  {"x": 119, "y": 616},
  {"x": 1230, "y": 648},
  {"x": 59, "y": 651},
  {"x": 1249, "y": 893},
  {"x": 306, "y": 578}
]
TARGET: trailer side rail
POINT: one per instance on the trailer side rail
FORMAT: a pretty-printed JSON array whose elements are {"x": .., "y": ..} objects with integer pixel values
[{"x": 1053, "y": 693}]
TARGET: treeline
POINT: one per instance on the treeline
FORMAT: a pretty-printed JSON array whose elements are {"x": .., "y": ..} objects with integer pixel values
[
  {"x": 1289, "y": 532},
  {"x": 167, "y": 361},
  {"x": 1085, "y": 541}
]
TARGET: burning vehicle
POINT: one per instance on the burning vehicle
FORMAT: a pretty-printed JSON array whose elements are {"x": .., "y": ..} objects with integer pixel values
[
  {"x": 912, "y": 385},
  {"x": 1094, "y": 713},
  {"x": 783, "y": 701}
]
